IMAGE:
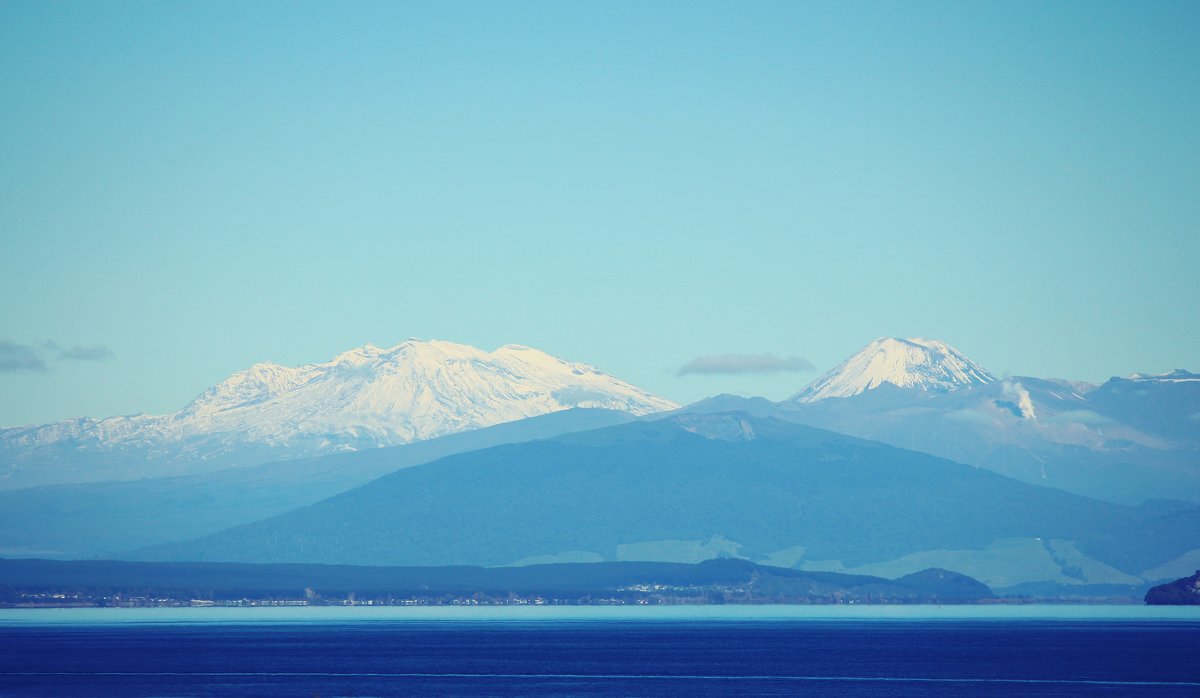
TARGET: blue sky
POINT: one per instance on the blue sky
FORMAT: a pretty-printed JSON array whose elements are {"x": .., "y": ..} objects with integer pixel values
[{"x": 186, "y": 189}]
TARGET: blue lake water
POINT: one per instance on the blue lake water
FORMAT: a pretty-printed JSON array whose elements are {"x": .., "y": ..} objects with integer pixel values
[{"x": 654, "y": 651}]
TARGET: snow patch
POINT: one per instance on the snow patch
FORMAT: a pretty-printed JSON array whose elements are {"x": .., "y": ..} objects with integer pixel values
[{"x": 1178, "y": 375}]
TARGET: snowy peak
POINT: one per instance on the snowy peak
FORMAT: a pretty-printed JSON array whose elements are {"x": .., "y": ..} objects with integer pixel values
[
  {"x": 413, "y": 391},
  {"x": 364, "y": 397},
  {"x": 918, "y": 363}
]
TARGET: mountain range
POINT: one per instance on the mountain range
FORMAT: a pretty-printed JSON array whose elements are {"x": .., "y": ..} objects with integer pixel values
[
  {"x": 103, "y": 519},
  {"x": 691, "y": 487},
  {"x": 364, "y": 398},
  {"x": 1128, "y": 440},
  {"x": 433, "y": 453}
]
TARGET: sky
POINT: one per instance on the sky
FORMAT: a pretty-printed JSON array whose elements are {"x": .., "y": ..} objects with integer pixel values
[{"x": 697, "y": 197}]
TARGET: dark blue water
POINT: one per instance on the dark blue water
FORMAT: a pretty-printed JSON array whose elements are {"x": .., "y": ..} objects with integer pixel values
[{"x": 639, "y": 658}]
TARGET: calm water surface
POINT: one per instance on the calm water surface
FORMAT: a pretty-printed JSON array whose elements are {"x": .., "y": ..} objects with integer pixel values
[{"x": 761, "y": 651}]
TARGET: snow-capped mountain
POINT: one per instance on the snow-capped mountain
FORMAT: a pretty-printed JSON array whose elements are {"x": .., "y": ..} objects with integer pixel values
[
  {"x": 1129, "y": 440},
  {"x": 923, "y": 364},
  {"x": 417, "y": 390},
  {"x": 365, "y": 397}
]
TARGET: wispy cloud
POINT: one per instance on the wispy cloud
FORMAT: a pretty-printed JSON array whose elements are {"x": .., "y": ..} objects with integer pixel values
[
  {"x": 95, "y": 352},
  {"x": 16, "y": 357},
  {"x": 744, "y": 363}
]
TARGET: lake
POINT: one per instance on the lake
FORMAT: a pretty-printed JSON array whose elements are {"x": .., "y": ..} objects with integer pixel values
[{"x": 591, "y": 651}]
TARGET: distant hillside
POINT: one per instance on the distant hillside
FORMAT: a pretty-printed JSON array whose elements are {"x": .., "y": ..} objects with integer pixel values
[
  {"x": 1181, "y": 592},
  {"x": 101, "y": 519},
  {"x": 713, "y": 580},
  {"x": 1101, "y": 444},
  {"x": 1167, "y": 405},
  {"x": 1129, "y": 440},
  {"x": 690, "y": 487}
]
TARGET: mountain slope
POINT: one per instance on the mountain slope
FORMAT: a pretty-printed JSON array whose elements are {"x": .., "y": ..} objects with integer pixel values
[
  {"x": 364, "y": 398},
  {"x": 1022, "y": 427},
  {"x": 923, "y": 364},
  {"x": 1026, "y": 428},
  {"x": 1166, "y": 405},
  {"x": 102, "y": 518},
  {"x": 684, "y": 488},
  {"x": 1129, "y": 440}
]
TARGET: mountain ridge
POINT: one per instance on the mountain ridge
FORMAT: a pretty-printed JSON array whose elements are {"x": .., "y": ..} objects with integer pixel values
[
  {"x": 666, "y": 490},
  {"x": 363, "y": 398},
  {"x": 87, "y": 520}
]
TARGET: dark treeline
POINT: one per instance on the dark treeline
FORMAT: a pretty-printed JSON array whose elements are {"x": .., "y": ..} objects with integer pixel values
[{"x": 715, "y": 580}]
